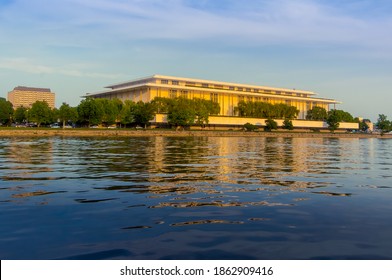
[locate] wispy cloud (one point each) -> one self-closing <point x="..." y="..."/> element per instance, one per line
<point x="256" y="22"/>
<point x="27" y="65"/>
<point x="233" y="22"/>
<point x="24" y="65"/>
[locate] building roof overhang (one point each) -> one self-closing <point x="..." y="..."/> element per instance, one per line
<point x="150" y="81"/>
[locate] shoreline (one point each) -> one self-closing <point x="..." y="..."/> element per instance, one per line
<point x="37" y="132"/>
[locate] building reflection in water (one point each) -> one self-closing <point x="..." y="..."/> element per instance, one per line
<point x="27" y="158"/>
<point x="210" y="169"/>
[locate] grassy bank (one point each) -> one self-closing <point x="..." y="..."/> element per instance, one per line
<point x="84" y="132"/>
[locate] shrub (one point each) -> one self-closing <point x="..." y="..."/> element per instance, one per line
<point x="250" y="127"/>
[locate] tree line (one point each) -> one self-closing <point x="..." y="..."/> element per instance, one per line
<point x="334" y="117"/>
<point x="180" y="112"/>
<point x="90" y="112"/>
<point x="266" y="110"/>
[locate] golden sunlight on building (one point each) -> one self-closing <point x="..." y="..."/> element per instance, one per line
<point x="227" y="94"/>
<point x="27" y="96"/>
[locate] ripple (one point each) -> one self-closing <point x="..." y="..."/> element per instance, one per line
<point x="217" y="204"/>
<point x="136" y="227"/>
<point x="334" y="193"/>
<point x="36" y="193"/>
<point x="203" y="222"/>
<point x="82" y="200"/>
<point x="258" y="219"/>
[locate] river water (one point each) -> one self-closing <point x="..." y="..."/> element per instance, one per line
<point x="195" y="198"/>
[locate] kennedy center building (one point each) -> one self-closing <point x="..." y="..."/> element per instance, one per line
<point x="227" y="94"/>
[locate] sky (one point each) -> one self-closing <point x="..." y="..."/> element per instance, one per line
<point x="339" y="49"/>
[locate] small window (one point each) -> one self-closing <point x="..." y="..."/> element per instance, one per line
<point x="231" y="88"/>
<point x="164" y="82"/>
<point x="175" y="83"/>
<point x="204" y="85"/>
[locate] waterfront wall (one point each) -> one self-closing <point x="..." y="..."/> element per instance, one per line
<point x="238" y="121"/>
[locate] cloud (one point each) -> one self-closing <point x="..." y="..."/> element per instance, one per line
<point x="24" y="65"/>
<point x="29" y="66"/>
<point x="116" y="23"/>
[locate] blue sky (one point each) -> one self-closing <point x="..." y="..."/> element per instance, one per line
<point x="339" y="49"/>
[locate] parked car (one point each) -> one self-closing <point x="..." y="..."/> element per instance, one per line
<point x="54" y="125"/>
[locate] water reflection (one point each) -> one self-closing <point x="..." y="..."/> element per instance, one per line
<point x="25" y="159"/>
<point x="98" y="195"/>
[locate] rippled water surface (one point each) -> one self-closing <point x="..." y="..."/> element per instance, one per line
<point x="195" y="198"/>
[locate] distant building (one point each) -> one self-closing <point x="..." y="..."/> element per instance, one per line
<point x="227" y="94"/>
<point x="27" y="96"/>
<point x="368" y="122"/>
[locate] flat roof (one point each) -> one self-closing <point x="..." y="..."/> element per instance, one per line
<point x="23" y="88"/>
<point x="202" y="81"/>
<point x="151" y="81"/>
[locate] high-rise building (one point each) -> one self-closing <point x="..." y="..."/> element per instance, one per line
<point x="27" y="96"/>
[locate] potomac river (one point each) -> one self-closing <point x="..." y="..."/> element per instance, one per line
<point x="198" y="197"/>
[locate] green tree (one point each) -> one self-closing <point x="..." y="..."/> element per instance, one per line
<point x="143" y="113"/>
<point x="20" y="114"/>
<point x="317" y="114"/>
<point x="90" y="111"/>
<point x="270" y="124"/>
<point x="162" y="104"/>
<point x="288" y="124"/>
<point x="384" y="124"/>
<point x="265" y="110"/>
<point x="55" y="115"/>
<point x="333" y="120"/>
<point x="343" y="116"/>
<point x="181" y="112"/>
<point x="67" y="113"/>
<point x="196" y="110"/>
<point x="118" y="105"/>
<point x="110" y="110"/>
<point x="126" y="114"/>
<point x="6" y="111"/>
<point x="40" y="113"/>
<point x="244" y="109"/>
<point x="203" y="109"/>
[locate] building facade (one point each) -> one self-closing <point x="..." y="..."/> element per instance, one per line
<point x="228" y="95"/>
<point x="27" y="96"/>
